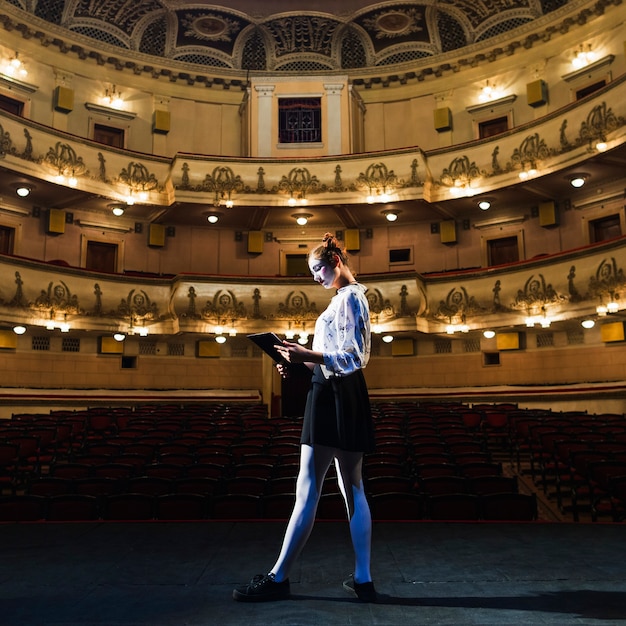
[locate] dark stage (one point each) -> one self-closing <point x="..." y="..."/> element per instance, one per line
<point x="174" y="574"/>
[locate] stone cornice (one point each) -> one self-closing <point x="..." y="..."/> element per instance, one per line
<point x="552" y="25"/>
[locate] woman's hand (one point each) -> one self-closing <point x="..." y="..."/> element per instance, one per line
<point x="293" y="352"/>
<point x="283" y="369"/>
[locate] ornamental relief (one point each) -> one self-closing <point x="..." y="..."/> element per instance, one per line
<point x="458" y="306"/>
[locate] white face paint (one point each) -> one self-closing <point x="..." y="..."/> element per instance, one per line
<point x="323" y="273"/>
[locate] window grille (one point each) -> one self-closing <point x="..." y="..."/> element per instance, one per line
<point x="176" y="349"/>
<point x="545" y="340"/>
<point x="575" y="336"/>
<point x="443" y="346"/>
<point x="471" y="345"/>
<point x="70" y="344"/>
<point x="41" y="343"/>
<point x="148" y="348"/>
<point x="299" y="120"/>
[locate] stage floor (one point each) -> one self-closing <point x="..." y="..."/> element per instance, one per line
<point x="175" y="574"/>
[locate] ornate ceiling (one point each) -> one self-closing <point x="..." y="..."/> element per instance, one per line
<point x="289" y="35"/>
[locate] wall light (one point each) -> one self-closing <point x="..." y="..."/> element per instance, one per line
<point x="302" y="218"/>
<point x="583" y="56"/>
<point x="14" y="67"/>
<point x="112" y="98"/>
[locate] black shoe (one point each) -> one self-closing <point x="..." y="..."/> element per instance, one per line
<point x="365" y="592"/>
<point x="262" y="588"/>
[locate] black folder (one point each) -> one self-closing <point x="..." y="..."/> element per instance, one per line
<point x="267" y="341"/>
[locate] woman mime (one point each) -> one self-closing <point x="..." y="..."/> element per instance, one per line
<point x="337" y="426"/>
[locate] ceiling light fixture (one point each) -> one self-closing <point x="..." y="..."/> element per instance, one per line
<point x="587" y="324"/>
<point x="578" y="180"/>
<point x="387" y="338"/>
<point x="391" y="215"/>
<point x="484" y="203"/>
<point x="213" y="218"/>
<point x="489" y="334"/>
<point x="302" y="218"/>
<point x="119" y="336"/>
<point x="19" y="329"/>
<point x="117" y="209"/>
<point x="23" y="191"/>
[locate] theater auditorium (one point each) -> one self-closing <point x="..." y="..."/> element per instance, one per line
<point x="165" y="168"/>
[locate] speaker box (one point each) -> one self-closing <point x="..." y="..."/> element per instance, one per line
<point x="208" y="349"/>
<point x="63" y="99"/>
<point x="156" y="235"/>
<point x="161" y="122"/>
<point x="108" y="345"/>
<point x="352" y="239"/>
<point x="55" y="222"/>
<point x="536" y="93"/>
<point x="548" y="215"/>
<point x="508" y="341"/>
<point x="255" y="242"/>
<point x="402" y="347"/>
<point x="442" y="119"/>
<point x="613" y="331"/>
<point x="447" y="231"/>
<point x="8" y="340"/>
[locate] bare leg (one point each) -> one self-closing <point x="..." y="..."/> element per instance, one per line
<point x="314" y="463"/>
<point x="349" y="472"/>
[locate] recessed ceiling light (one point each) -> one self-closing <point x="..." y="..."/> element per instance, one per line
<point x="391" y="215"/>
<point x="578" y="180"/>
<point x="302" y="218"/>
<point x="23" y="191"/>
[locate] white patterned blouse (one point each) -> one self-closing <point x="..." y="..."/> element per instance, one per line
<point x="342" y="332"/>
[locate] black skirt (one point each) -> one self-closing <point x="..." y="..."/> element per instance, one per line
<point x="338" y="413"/>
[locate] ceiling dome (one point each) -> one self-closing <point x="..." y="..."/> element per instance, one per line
<point x="287" y="35"/>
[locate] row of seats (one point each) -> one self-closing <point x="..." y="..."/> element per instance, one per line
<point x="575" y="458"/>
<point x="189" y="506"/>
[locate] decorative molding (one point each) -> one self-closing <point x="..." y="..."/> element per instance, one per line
<point x="103" y="226"/>
<point x="109" y="111"/>
<point x="483" y="106"/>
<point x="592" y="67"/>
<point x="500" y="221"/>
<point x="14" y="210"/>
<point x="18" y="85"/>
